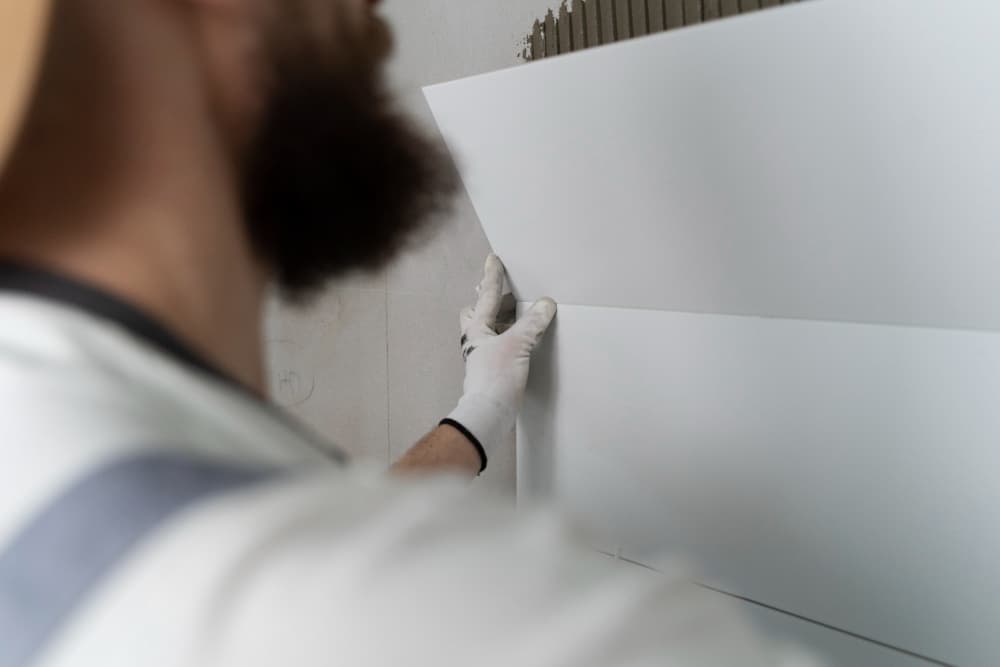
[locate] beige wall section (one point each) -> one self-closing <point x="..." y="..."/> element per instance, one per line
<point x="376" y="363"/>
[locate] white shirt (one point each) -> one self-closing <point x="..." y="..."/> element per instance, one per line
<point x="310" y="562"/>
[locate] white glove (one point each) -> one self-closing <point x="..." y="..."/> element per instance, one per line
<point x="496" y="366"/>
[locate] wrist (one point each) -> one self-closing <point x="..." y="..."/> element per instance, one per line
<point x="472" y="440"/>
<point x="486" y="421"/>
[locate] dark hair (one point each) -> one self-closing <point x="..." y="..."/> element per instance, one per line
<point x="336" y="178"/>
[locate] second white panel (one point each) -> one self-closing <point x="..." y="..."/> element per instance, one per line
<point x="847" y="473"/>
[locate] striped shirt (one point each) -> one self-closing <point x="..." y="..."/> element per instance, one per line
<point x="153" y="512"/>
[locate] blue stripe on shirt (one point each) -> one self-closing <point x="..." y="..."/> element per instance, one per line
<point x="64" y="553"/>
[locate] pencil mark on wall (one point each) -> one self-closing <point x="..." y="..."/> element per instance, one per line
<point x="294" y="382"/>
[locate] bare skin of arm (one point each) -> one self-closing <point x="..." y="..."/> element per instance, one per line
<point x="444" y="449"/>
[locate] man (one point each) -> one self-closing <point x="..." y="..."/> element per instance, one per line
<point x="163" y="162"/>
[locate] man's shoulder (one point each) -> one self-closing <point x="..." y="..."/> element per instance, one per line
<point x="78" y="395"/>
<point x="354" y="567"/>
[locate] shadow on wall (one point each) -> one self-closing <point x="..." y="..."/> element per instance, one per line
<point x="587" y="23"/>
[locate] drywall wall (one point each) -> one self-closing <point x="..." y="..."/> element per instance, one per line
<point x="815" y="187"/>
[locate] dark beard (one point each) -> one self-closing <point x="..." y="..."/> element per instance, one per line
<point x="336" y="179"/>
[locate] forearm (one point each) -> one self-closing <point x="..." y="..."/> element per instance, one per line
<point x="444" y="449"/>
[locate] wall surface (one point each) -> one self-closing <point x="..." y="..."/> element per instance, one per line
<point x="375" y="363"/>
<point x="777" y="323"/>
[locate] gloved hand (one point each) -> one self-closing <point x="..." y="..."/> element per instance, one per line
<point x="496" y="366"/>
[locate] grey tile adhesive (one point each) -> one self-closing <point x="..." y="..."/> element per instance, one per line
<point x="582" y="24"/>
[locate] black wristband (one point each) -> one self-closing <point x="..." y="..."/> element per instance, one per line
<point x="471" y="438"/>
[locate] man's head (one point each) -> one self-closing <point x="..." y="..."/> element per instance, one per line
<point x="334" y="178"/>
<point x="329" y="176"/>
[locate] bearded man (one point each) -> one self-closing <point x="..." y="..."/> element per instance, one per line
<point x="164" y="162"/>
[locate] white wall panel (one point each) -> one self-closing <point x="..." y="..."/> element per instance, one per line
<point x="836" y="649"/>
<point x="835" y="159"/>
<point x="848" y="473"/>
<point x="811" y="644"/>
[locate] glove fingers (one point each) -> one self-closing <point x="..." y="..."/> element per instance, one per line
<point x="490" y="292"/>
<point x="534" y="323"/>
